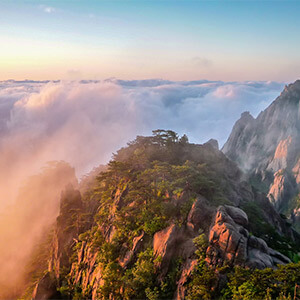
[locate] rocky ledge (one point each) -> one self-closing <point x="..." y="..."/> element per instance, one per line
<point x="230" y="242"/>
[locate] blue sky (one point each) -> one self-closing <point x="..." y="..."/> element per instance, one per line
<point x="178" y="40"/>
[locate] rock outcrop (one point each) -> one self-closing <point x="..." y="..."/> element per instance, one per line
<point x="200" y="215"/>
<point x="267" y="148"/>
<point x="46" y="288"/>
<point x="231" y="243"/>
<point x="238" y="137"/>
<point x="88" y="276"/>
<point x="172" y="242"/>
<point x="187" y="270"/>
<point x="130" y="254"/>
<point x="69" y="225"/>
<point x="146" y="215"/>
<point x="214" y="143"/>
<point x="67" y="230"/>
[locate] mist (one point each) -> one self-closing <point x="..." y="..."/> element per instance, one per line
<point x="83" y="123"/>
<point x="27" y="222"/>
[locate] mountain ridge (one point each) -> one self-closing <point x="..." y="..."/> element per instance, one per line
<point x="169" y="217"/>
<point x="267" y="148"/>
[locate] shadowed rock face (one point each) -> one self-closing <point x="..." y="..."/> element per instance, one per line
<point x="200" y="215"/>
<point x="231" y="243"/>
<point x="46" y="289"/>
<point x="129" y="255"/>
<point x="214" y="143"/>
<point x="267" y="148"/>
<point x="66" y="231"/>
<point x="65" y="236"/>
<point x="238" y="137"/>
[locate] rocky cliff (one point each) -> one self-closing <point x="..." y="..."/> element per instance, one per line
<point x="231" y="242"/>
<point x="69" y="225"/>
<point x="162" y="215"/>
<point x="268" y="149"/>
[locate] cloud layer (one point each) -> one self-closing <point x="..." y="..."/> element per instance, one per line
<point x="83" y="122"/>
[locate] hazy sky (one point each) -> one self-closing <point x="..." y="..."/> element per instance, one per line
<point x="177" y="40"/>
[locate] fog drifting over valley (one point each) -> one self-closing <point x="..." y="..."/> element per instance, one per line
<point x="83" y="122"/>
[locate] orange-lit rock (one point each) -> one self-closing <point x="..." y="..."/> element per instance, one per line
<point x="296" y="172"/>
<point x="277" y="188"/>
<point x="186" y="273"/>
<point x="282" y="148"/>
<point x="229" y="242"/>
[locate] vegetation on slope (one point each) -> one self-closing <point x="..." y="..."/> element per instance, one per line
<point x="242" y="283"/>
<point x="148" y="186"/>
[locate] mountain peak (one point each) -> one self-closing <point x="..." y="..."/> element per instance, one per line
<point x="246" y="116"/>
<point x="292" y="89"/>
<point x="237" y="137"/>
<point x="214" y="143"/>
<point x="268" y="149"/>
<point x="295" y="84"/>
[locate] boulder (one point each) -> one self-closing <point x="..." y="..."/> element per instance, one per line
<point x="200" y="215"/>
<point x="238" y="215"/>
<point x="46" y="288"/>
<point x="230" y="242"/>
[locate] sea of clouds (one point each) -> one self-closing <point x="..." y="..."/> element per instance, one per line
<point x="83" y="122"/>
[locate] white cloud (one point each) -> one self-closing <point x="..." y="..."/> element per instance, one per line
<point x="48" y="9"/>
<point x="201" y="62"/>
<point x="83" y="122"/>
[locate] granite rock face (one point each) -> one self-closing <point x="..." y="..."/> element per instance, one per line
<point x="46" y="288"/>
<point x="214" y="143"/>
<point x="90" y="277"/>
<point x="66" y="233"/>
<point x="65" y="237"/>
<point x="188" y="268"/>
<point x="230" y="242"/>
<point x="171" y="242"/>
<point x="200" y="215"/>
<point x="192" y="211"/>
<point x="267" y="149"/>
<point x="130" y="254"/>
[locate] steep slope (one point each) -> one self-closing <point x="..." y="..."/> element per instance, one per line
<point x="164" y="214"/>
<point x="268" y="149"/>
<point x="25" y="226"/>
